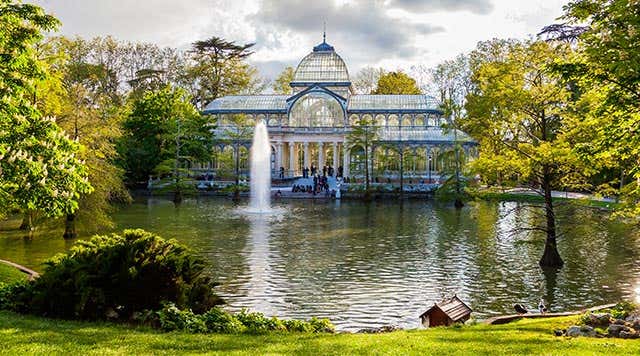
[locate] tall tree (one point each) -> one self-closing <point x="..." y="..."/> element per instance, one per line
<point x="366" y="80"/>
<point x="162" y="130"/>
<point x="519" y="102"/>
<point x="452" y="81"/>
<point x="73" y="94"/>
<point x="396" y="83"/>
<point x="281" y="83"/>
<point x="40" y="170"/>
<point x="607" y="72"/>
<point x="218" y="69"/>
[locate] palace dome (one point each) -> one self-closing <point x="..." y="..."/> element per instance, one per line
<point x="323" y="65"/>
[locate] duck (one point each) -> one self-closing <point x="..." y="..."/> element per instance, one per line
<point x="520" y="309"/>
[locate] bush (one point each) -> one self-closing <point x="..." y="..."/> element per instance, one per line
<point x="219" y="321"/>
<point x="116" y="276"/>
<point x="216" y="320"/>
<point x="171" y="318"/>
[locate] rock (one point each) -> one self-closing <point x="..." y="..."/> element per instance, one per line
<point x="559" y="332"/>
<point x="619" y="322"/>
<point x="584" y="330"/>
<point x="615" y="329"/>
<point x="629" y="334"/>
<point x="598" y="319"/>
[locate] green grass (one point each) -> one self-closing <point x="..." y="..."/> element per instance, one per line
<point x="10" y="274"/>
<point x="32" y="335"/>
<point x="534" y="198"/>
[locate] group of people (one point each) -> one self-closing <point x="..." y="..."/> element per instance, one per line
<point x="326" y="171"/>
<point x="320" y="184"/>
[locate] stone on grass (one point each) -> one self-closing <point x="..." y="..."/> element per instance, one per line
<point x="628" y="334"/>
<point x="615" y="329"/>
<point x="583" y="330"/>
<point x="598" y="319"/>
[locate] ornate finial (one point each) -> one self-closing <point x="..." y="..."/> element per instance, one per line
<point x="324" y="32"/>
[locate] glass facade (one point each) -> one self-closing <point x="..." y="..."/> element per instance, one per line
<point x="321" y="67"/>
<point x="316" y="109"/>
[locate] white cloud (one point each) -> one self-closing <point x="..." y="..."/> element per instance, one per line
<point x="390" y="33"/>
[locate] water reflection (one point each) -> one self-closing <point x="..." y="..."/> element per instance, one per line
<point x="383" y="263"/>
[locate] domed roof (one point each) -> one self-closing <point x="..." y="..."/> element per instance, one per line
<point x="321" y="65"/>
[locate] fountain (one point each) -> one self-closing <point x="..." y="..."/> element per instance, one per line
<point x="260" y="201"/>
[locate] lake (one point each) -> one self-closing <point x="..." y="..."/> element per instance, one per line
<point x="365" y="265"/>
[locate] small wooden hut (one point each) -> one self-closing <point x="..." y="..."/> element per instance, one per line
<point x="445" y="313"/>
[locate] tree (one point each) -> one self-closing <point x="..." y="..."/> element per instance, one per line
<point x="396" y="83"/>
<point x="281" y="84"/>
<point x="72" y="94"/>
<point x="366" y="79"/>
<point x="606" y="70"/>
<point x="40" y="169"/>
<point x="519" y="102"/>
<point x="452" y="80"/>
<point x="363" y="134"/>
<point x="218" y="69"/>
<point x="161" y="125"/>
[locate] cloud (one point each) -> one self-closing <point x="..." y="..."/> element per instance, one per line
<point x="361" y="31"/>
<point x="481" y="7"/>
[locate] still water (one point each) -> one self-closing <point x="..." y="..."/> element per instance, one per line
<point x="364" y="265"/>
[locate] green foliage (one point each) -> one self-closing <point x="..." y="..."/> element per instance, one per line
<point x="10" y="296"/>
<point x="172" y="318"/>
<point x="363" y="134"/>
<point x="219" y="321"/>
<point x="9" y="274"/>
<point x="161" y="126"/>
<point x="122" y="273"/>
<point x="396" y="83"/>
<point x="216" y="320"/>
<point x="39" y="164"/>
<point x="606" y="73"/>
<point x="281" y="83"/>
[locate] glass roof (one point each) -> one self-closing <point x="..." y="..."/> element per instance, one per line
<point x="321" y="67"/>
<point x="248" y="103"/>
<point x="433" y="134"/>
<point x="392" y="102"/>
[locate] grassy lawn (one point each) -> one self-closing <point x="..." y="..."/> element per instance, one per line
<point x="10" y="274"/>
<point x="32" y="335"/>
<point x="534" y="198"/>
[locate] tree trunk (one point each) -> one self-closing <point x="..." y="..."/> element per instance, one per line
<point x="70" y="227"/>
<point x="27" y="221"/>
<point x="550" y="257"/>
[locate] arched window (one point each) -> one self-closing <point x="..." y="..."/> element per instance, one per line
<point x="317" y="109"/>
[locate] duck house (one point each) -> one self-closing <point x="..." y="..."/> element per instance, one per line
<point x="445" y="313"/>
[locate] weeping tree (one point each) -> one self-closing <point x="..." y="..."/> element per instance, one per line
<point x="519" y="102"/>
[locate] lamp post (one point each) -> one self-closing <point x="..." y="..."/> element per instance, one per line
<point x="429" y="168"/>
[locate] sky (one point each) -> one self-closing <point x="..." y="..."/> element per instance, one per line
<point x="393" y="34"/>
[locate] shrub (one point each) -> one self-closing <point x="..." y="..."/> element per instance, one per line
<point x="258" y="323"/>
<point x="116" y="276"/>
<point x="219" y="321"/>
<point x="172" y="318"/>
<point x="9" y="293"/>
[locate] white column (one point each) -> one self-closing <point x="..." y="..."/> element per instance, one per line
<point x="292" y="158"/>
<point x="306" y="154"/>
<point x="320" y="156"/>
<point x="335" y="157"/>
<point x="345" y="160"/>
<point x="278" y="157"/>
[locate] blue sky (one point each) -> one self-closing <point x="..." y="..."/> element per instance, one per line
<point x="394" y="34"/>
